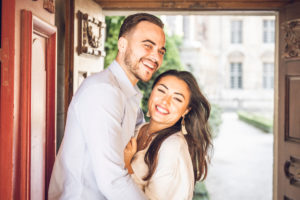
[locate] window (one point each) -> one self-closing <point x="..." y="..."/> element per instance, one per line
<point x="268" y="75"/>
<point x="236" y="31"/>
<point x="236" y="75"/>
<point x="268" y="31"/>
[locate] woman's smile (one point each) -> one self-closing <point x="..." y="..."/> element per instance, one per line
<point x="162" y="110"/>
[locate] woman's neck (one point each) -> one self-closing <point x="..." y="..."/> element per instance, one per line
<point x="154" y="127"/>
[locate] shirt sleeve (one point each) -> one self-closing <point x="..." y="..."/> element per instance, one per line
<point x="170" y="179"/>
<point x="100" y="111"/>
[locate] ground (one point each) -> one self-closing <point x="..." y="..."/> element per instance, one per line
<point x="242" y="163"/>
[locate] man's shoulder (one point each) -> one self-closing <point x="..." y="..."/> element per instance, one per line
<point x="103" y="77"/>
<point x="102" y="86"/>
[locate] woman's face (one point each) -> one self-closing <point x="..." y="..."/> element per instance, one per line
<point x="168" y="101"/>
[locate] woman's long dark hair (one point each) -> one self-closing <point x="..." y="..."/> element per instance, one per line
<point x="196" y="123"/>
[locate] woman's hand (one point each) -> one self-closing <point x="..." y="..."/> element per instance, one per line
<point x="129" y="152"/>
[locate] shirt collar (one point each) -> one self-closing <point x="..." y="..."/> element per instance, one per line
<point x="124" y="82"/>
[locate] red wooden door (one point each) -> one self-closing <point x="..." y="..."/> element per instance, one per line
<point x="7" y="118"/>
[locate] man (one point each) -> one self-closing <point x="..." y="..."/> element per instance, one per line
<point x="102" y="117"/>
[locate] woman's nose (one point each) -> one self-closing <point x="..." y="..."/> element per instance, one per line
<point x="166" y="100"/>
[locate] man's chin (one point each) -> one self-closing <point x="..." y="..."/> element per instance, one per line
<point x="145" y="78"/>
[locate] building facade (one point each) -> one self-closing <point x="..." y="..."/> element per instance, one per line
<point x="231" y="56"/>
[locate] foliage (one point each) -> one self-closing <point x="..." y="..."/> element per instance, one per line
<point x="257" y="120"/>
<point x="200" y="192"/>
<point x="113" y="24"/>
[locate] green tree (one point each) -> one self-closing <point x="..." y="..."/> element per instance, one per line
<point x="113" y="25"/>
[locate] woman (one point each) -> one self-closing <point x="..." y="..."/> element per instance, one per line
<point x="170" y="153"/>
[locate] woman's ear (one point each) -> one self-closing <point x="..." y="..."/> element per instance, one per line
<point x="122" y="44"/>
<point x="186" y="111"/>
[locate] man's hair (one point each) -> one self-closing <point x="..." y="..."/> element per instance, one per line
<point x="132" y="20"/>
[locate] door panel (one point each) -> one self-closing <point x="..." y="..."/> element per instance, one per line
<point x="293" y="109"/>
<point x="38" y="118"/>
<point x="288" y="160"/>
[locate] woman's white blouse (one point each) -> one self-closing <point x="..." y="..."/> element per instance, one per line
<point x="173" y="178"/>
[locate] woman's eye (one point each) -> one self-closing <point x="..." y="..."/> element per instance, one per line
<point x="160" y="90"/>
<point x="177" y="99"/>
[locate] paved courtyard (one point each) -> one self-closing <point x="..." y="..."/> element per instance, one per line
<point x="242" y="164"/>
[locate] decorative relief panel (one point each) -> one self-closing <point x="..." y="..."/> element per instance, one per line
<point x="292" y="171"/>
<point x="292" y="39"/>
<point x="49" y="5"/>
<point x="292" y="119"/>
<point x="89" y="34"/>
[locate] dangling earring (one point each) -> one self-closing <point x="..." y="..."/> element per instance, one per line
<point x="148" y="114"/>
<point x="183" y="129"/>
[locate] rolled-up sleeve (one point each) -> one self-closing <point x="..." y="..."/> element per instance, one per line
<point x="99" y="110"/>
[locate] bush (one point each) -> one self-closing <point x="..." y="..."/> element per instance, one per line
<point x="200" y="191"/>
<point x="215" y="119"/>
<point x="256" y="120"/>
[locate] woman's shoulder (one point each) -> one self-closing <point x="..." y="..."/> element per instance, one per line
<point x="174" y="142"/>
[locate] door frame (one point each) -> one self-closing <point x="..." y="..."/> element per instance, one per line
<point x="30" y="24"/>
<point x="7" y="58"/>
<point x="276" y="69"/>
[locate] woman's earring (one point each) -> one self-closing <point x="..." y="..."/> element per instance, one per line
<point x="148" y="114"/>
<point x="183" y="129"/>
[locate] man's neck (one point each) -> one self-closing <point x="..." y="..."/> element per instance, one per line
<point x="129" y="75"/>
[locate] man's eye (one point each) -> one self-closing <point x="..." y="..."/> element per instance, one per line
<point x="160" y="90"/>
<point x="148" y="46"/>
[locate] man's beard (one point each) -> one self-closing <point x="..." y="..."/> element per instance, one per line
<point x="134" y="67"/>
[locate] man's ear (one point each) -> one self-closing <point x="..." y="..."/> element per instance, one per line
<point x="122" y="44"/>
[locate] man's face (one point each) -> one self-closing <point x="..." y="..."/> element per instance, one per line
<point x="145" y="51"/>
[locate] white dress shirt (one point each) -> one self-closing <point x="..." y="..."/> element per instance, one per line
<point x="173" y="178"/>
<point x="101" y="120"/>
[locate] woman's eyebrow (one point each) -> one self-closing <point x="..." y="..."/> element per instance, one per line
<point x="163" y="86"/>
<point x="179" y="94"/>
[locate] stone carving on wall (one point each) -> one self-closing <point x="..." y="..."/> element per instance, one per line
<point x="89" y="34"/>
<point x="292" y="39"/>
<point x="49" y="5"/>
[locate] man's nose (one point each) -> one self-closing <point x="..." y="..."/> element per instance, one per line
<point x="154" y="56"/>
